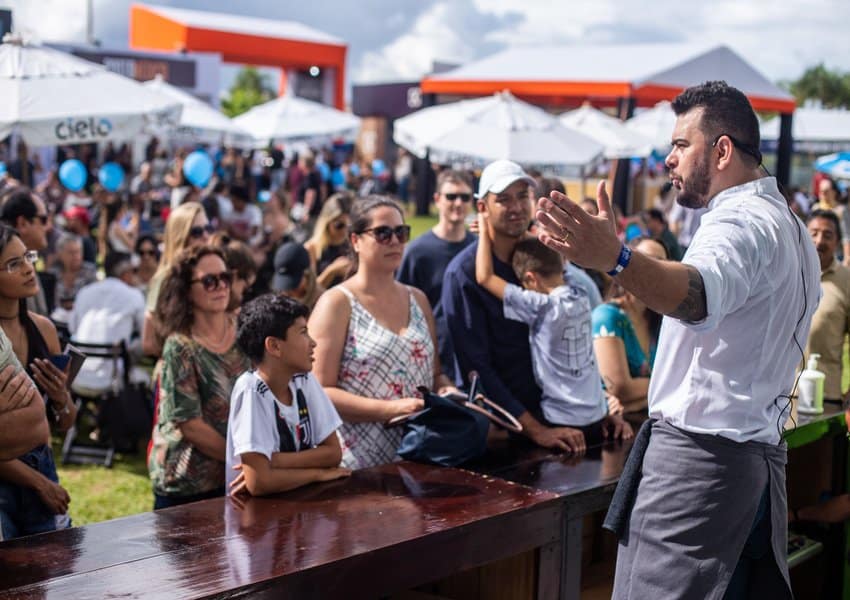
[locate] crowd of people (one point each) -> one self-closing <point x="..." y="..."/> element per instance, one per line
<point x="281" y="316"/>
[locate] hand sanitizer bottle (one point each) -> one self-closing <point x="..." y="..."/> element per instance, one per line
<point x="810" y="388"/>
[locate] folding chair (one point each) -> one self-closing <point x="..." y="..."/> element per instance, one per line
<point x="90" y="405"/>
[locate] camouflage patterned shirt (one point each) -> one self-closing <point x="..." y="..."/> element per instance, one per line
<point x="194" y="383"/>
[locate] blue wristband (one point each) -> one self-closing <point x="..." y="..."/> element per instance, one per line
<point x="622" y="261"/>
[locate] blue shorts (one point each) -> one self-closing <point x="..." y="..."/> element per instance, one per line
<point x="21" y="510"/>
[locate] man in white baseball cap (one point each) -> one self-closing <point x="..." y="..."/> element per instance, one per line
<point x="498" y="175"/>
<point x="484" y="340"/>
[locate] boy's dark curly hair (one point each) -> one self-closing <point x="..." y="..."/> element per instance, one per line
<point x="269" y="315"/>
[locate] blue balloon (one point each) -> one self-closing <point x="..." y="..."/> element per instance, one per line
<point x="198" y="168"/>
<point x="111" y="176"/>
<point x="378" y="167"/>
<point x="633" y="231"/>
<point x="72" y="174"/>
<point x="355" y="169"/>
<point x="338" y="178"/>
<point x="324" y="171"/>
<point x="3" y="169"/>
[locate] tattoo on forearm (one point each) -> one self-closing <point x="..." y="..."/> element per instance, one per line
<point x="693" y="307"/>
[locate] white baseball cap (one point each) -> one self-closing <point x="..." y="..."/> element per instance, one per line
<point x="500" y="174"/>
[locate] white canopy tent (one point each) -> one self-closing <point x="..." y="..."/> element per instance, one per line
<point x="499" y="126"/>
<point x="291" y="119"/>
<point x="656" y="124"/>
<point x="619" y="140"/>
<point x="199" y="121"/>
<point x="814" y="129"/>
<point x="51" y="98"/>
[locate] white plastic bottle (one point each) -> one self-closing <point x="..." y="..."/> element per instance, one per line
<point x="810" y="388"/>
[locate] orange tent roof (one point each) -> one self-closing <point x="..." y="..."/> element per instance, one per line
<point x="648" y="73"/>
<point x="238" y="39"/>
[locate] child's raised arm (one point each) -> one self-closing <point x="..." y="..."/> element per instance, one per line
<point x="484" y="274"/>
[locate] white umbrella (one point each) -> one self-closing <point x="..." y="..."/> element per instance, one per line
<point x="53" y="98"/>
<point x="619" y="140"/>
<point x="199" y="121"/>
<point x="291" y="119"/>
<point x="492" y="128"/>
<point x="656" y="124"/>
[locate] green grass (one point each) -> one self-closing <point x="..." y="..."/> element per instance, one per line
<point x="99" y="494"/>
<point x="419" y="225"/>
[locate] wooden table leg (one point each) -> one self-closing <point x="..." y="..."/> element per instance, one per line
<point x="571" y="579"/>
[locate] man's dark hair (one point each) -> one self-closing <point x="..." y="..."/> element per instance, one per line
<point x="16" y="203"/>
<point x="530" y="254"/>
<point x="116" y="263"/>
<point x="830" y="216"/>
<point x="655" y="214"/>
<point x="726" y="111"/>
<point x="239" y="191"/>
<point x="269" y="315"/>
<point x="548" y="185"/>
<point x="453" y="176"/>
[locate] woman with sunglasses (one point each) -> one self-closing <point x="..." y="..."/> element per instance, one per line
<point x="375" y="338"/>
<point x="200" y="364"/>
<point x="328" y="246"/>
<point x="31" y="499"/>
<point x="148" y="253"/>
<point x="187" y="227"/>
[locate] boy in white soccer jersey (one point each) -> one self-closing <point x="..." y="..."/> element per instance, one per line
<point x="281" y="432"/>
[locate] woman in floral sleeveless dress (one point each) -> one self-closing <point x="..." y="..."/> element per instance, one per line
<point x="375" y="339"/>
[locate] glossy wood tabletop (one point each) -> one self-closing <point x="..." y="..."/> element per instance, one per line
<point x="381" y="530"/>
<point x="563" y="474"/>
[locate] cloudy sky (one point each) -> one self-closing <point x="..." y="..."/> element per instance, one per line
<point x="398" y="39"/>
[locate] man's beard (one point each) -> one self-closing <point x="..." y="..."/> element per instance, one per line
<point x="694" y="192"/>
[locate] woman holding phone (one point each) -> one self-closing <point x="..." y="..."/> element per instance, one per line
<point x="31" y="499"/>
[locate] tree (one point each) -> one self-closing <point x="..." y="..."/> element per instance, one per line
<point x="248" y="90"/>
<point x="832" y="88"/>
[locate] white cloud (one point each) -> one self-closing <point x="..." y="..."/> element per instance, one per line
<point x="779" y="37"/>
<point x="434" y="36"/>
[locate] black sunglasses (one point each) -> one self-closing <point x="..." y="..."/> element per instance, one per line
<point x="384" y="233"/>
<point x="198" y="231"/>
<point x="211" y="282"/>
<point x="462" y="197"/>
<point x="147" y="252"/>
<point x="339" y="225"/>
<point x="42" y="218"/>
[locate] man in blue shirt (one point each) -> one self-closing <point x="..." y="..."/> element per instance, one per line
<point x="484" y="340"/>
<point x="426" y="257"/>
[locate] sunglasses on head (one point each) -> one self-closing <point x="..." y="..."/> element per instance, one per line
<point x="211" y="282"/>
<point x="198" y="231"/>
<point x="463" y="197"/>
<point x="383" y="234"/>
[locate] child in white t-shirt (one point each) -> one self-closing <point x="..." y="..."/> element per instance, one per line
<point x="281" y="432"/>
<point x="559" y="334"/>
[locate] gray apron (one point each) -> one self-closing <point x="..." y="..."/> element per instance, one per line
<point x="696" y="502"/>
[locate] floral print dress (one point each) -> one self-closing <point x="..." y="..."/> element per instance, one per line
<point x="378" y="363"/>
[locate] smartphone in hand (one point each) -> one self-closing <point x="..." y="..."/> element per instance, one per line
<point x="60" y="360"/>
